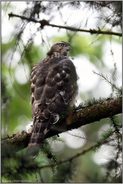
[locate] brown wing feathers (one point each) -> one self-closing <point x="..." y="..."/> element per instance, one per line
<point x="53" y="86"/>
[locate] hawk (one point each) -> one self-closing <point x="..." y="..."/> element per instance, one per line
<point x="53" y="88"/>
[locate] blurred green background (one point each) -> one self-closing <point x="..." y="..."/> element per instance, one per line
<point x="25" y="44"/>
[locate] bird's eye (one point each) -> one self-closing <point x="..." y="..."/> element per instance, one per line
<point x="62" y="44"/>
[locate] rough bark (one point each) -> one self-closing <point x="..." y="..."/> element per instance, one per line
<point x="76" y="118"/>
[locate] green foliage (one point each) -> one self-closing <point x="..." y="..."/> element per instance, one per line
<point x="88" y="172"/>
<point x="64" y="173"/>
<point x="7" y="46"/>
<point x="18" y="167"/>
<point x="32" y="54"/>
<point x="21" y="166"/>
<point x="18" y="94"/>
<point x="83" y="45"/>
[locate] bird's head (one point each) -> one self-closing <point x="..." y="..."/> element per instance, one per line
<point x="59" y="49"/>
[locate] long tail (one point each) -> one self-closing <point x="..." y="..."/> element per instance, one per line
<point x="40" y="128"/>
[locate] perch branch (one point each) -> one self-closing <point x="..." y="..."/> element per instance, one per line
<point x="79" y="117"/>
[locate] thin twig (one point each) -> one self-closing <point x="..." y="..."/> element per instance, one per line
<point x="93" y="147"/>
<point x="46" y="23"/>
<point x="107" y="80"/>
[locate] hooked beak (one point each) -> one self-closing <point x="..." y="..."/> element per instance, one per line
<point x="68" y="48"/>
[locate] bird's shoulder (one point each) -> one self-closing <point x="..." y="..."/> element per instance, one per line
<point x="50" y="67"/>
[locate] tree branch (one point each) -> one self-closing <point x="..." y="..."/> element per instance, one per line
<point x="76" y="118"/>
<point x="83" y="152"/>
<point x="46" y="23"/>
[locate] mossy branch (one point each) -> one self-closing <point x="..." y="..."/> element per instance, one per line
<point x="78" y="117"/>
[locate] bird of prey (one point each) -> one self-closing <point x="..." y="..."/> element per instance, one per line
<point x="53" y="88"/>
